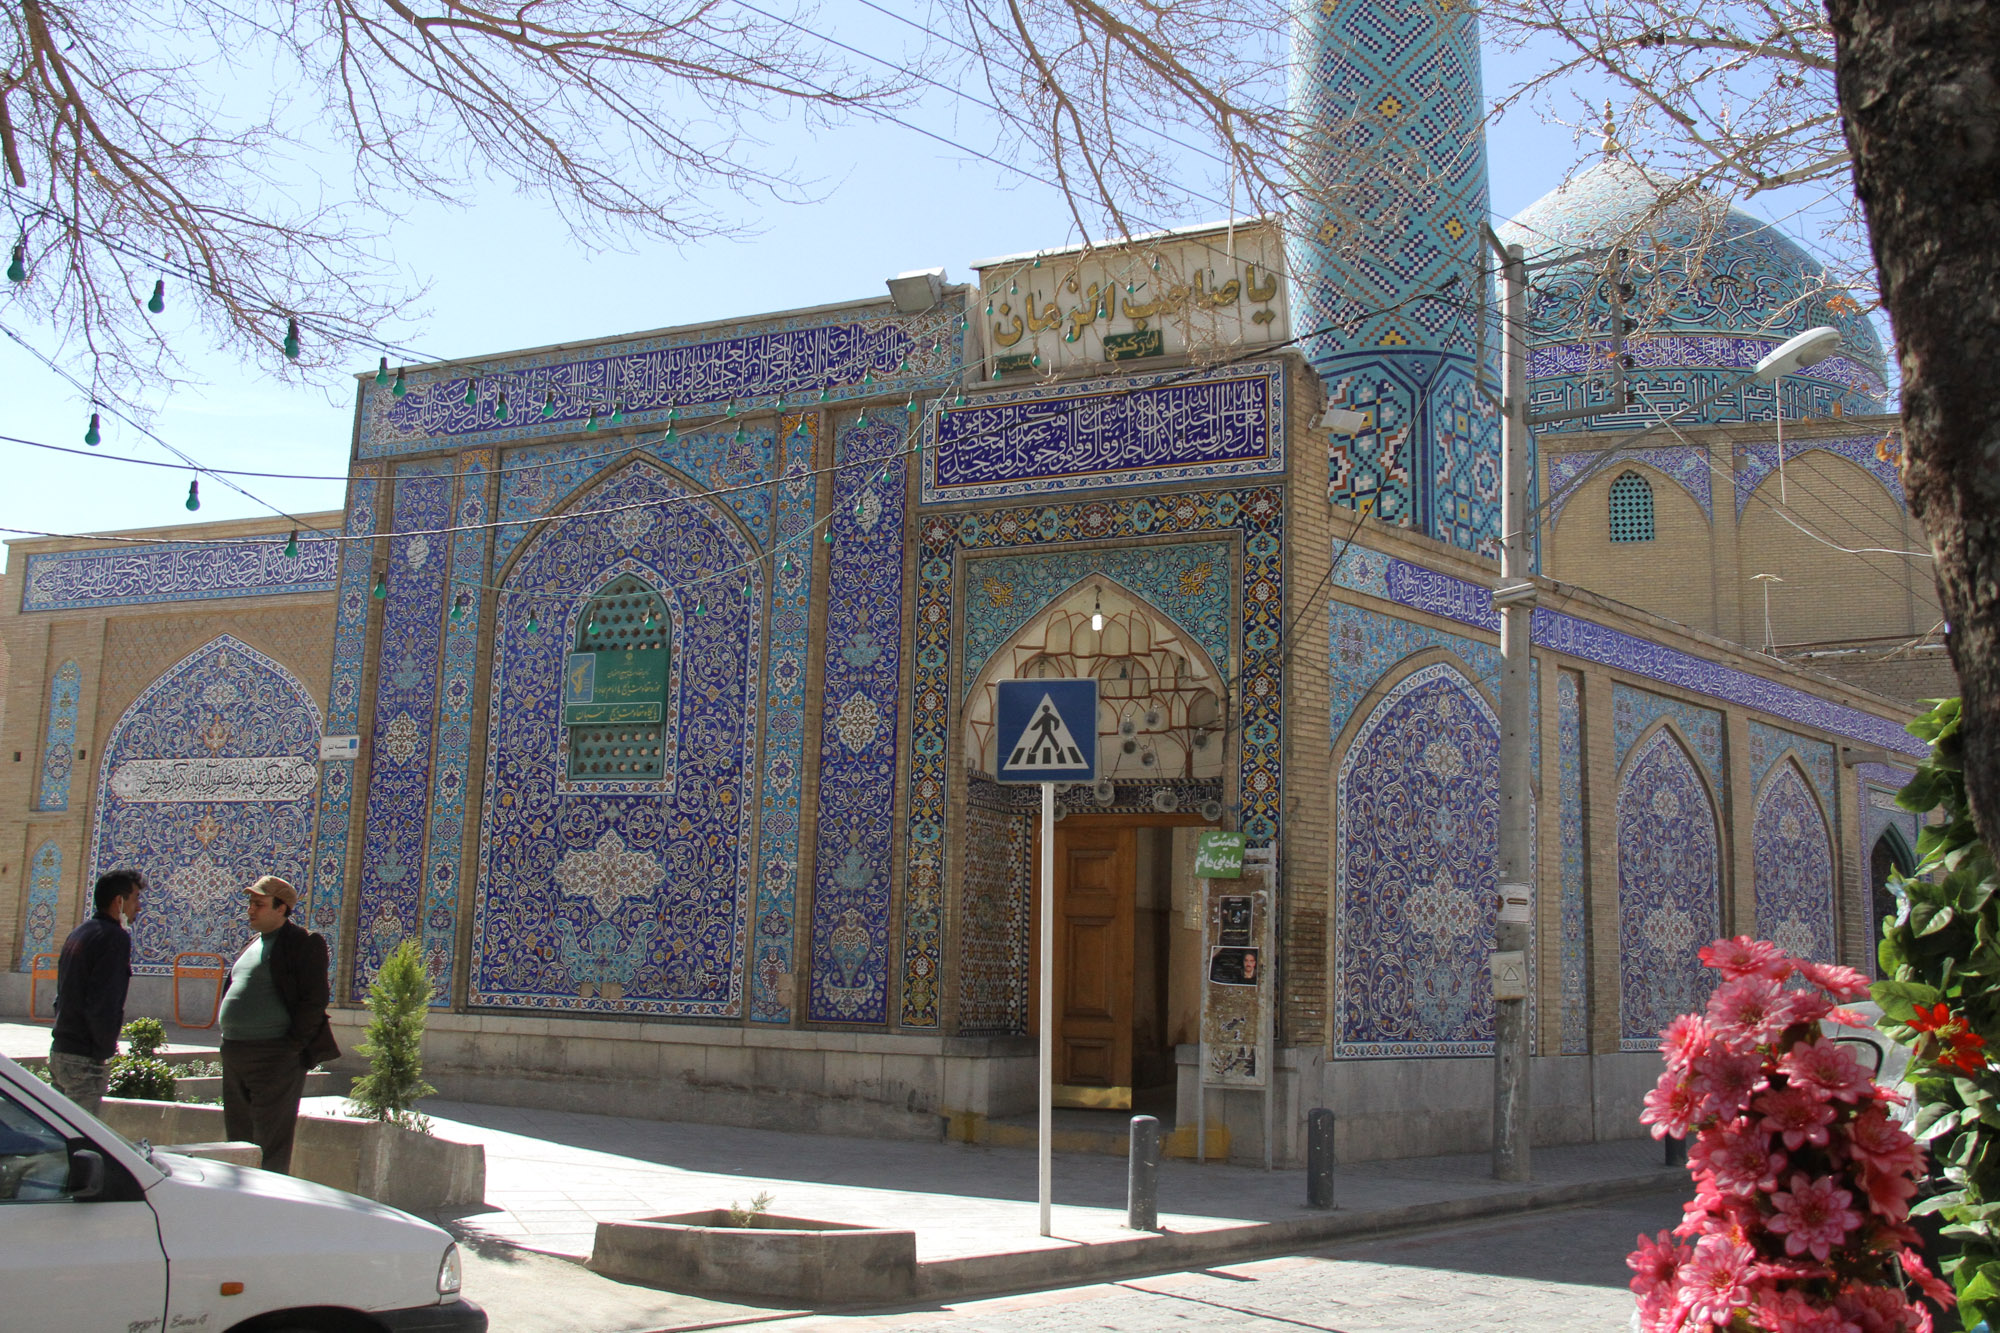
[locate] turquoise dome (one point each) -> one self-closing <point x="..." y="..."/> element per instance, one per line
<point x="1711" y="290"/>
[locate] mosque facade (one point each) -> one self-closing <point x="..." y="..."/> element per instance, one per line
<point x="648" y="684"/>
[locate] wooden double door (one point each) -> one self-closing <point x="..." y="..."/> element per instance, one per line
<point x="1096" y="869"/>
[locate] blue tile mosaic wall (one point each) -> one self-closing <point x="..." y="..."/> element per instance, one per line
<point x="622" y="897"/>
<point x="1881" y="458"/>
<point x="466" y="593"/>
<point x="1364" y="645"/>
<point x="1188" y="584"/>
<point x="59" y="741"/>
<point x="1878" y="785"/>
<point x="1632" y="711"/>
<point x="134" y="575"/>
<point x="1458" y="599"/>
<point x="853" y="860"/>
<point x="534" y="481"/>
<point x="1416" y="859"/>
<point x="1769" y="744"/>
<point x="773" y="972"/>
<point x="1686" y="465"/>
<point x="1794" y="865"/>
<point x="38" y="925"/>
<point x="1575" y="879"/>
<point x="321" y="903"/>
<point x="1669" y="888"/>
<point x="206" y="783"/>
<point x="859" y="352"/>
<point x="1140" y="430"/>
<point x="1390" y="323"/>
<point x="391" y="891"/>
<point x="1257" y="680"/>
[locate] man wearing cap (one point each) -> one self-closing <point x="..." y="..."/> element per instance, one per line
<point x="274" y="1026"/>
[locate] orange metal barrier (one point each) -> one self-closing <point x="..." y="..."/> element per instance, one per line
<point x="42" y="968"/>
<point x="214" y="968"/>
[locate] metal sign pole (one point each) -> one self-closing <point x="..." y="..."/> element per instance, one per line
<point x="1046" y="1058"/>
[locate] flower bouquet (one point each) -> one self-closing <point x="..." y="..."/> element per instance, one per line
<point x="1803" y="1180"/>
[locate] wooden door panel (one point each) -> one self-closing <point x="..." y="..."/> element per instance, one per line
<point x="1095" y="889"/>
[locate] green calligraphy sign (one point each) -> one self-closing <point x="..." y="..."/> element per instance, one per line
<point x="1219" y="856"/>
<point x="627" y="685"/>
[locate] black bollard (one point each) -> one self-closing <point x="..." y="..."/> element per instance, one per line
<point x="1677" y="1150"/>
<point x="1142" y="1175"/>
<point x="1319" y="1158"/>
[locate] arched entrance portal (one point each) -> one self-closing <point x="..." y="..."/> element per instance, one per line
<point x="1128" y="932"/>
<point x="1886" y="860"/>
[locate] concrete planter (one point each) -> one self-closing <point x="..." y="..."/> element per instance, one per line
<point x="774" y="1260"/>
<point x="393" y="1165"/>
<point x="319" y="1083"/>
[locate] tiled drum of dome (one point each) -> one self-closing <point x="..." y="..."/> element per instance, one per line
<point x="207" y="782"/>
<point x="59" y="745"/>
<point x="629" y="899"/>
<point x="390" y="896"/>
<point x="1415" y="862"/>
<point x="1391" y="327"/>
<point x="38" y="924"/>
<point x="1669" y="888"/>
<point x="1794" y="867"/>
<point x="860" y="689"/>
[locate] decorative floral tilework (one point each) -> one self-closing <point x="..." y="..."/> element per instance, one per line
<point x="1575" y="878"/>
<point x="320" y="906"/>
<point x="621" y="901"/>
<point x="454" y="722"/>
<point x="1685" y="464"/>
<point x="1257" y="684"/>
<point x="1632" y="711"/>
<point x="773" y="971"/>
<point x="38" y="926"/>
<point x="861" y="679"/>
<point x="1794" y="860"/>
<point x="1871" y="453"/>
<point x="995" y="924"/>
<point x="1669" y="888"/>
<point x="1417" y="864"/>
<point x="59" y="743"/>
<point x="200" y="844"/>
<point x="394" y="855"/>
<point x="1768" y="744"/>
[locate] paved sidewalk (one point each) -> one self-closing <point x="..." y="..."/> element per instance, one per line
<point x="21" y="1040"/>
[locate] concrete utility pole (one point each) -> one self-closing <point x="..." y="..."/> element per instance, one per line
<point x="1515" y="599"/>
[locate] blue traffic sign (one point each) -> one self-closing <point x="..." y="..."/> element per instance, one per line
<point x="1048" y="730"/>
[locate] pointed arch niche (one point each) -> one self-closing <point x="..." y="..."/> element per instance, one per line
<point x="1669" y="885"/>
<point x="1794" y="865"/>
<point x="1160" y="711"/>
<point x="207" y="782"/>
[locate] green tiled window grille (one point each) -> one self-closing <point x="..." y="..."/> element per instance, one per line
<point x="1631" y="508"/>
<point x="620" y="752"/>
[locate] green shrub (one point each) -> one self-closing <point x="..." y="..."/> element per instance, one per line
<point x="394" y="1044"/>
<point x="144" y="1037"/>
<point x="141" y="1076"/>
<point x="1942" y="952"/>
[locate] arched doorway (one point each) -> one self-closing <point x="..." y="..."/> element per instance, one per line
<point x="1127" y="940"/>
<point x="1889" y="858"/>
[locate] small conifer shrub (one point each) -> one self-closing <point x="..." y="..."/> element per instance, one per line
<point x="394" y="1043"/>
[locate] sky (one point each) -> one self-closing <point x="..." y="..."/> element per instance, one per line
<point x="506" y="274"/>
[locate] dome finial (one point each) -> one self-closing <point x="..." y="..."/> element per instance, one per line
<point x="1611" y="145"/>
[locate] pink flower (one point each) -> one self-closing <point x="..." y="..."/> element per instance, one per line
<point x="1738" y="1157"/>
<point x="1670" y="1107"/>
<point x="1880" y="1310"/>
<point x="1844" y="982"/>
<point x="1882" y="1145"/>
<point x="1655" y="1263"/>
<point x="1826" y="1067"/>
<point x="1716" y="1282"/>
<point x="1684" y="1039"/>
<point x="1934" y="1286"/>
<point x="1752" y="1008"/>
<point x="1795" y="1312"/>
<point x="1744" y="957"/>
<point x="1813" y="1215"/>
<point x="1725" y="1081"/>
<point x="1799" y="1114"/>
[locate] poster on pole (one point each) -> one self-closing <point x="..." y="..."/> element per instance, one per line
<point x="1047" y="730"/>
<point x="1237" y="993"/>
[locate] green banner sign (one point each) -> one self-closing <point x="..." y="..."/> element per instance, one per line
<point x="629" y="685"/>
<point x="1219" y="856"/>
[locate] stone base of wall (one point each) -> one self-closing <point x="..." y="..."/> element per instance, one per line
<point x="148" y="997"/>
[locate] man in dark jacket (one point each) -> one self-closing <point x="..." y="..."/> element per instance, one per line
<point x="91" y="979"/>
<point x="274" y="1025"/>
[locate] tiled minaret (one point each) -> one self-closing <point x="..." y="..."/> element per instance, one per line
<point x="1386" y="261"/>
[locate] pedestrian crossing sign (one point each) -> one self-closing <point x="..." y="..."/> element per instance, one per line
<point x="1047" y="730"/>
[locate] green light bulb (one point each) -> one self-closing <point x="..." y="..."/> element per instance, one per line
<point x="458" y="612"/>
<point x="291" y="340"/>
<point x="1013" y="289"/>
<point x="739" y="437"/>
<point x="862" y="420"/>
<point x="618" y="412"/>
<point x="960" y="400"/>
<point x="649" y="620"/>
<point x="398" y="389"/>
<point x="382" y="373"/>
<point x="471" y="392"/>
<point x="996" y="372"/>
<point x="1070" y="337"/>
<point x="868" y="376"/>
<point x="825" y="393"/>
<point x="93" y="436"/>
<point x="591" y="628"/>
<point x="731" y="410"/>
<point x="800" y="429"/>
<point x="534" y="626"/>
<point x="674" y="412"/>
<point x="671" y="435"/>
<point x="590" y="422"/>
<point x="746" y="587"/>
<point x="911" y="406"/>
<point x="18" y="270"/>
<point x="549" y="405"/>
<point x="701" y="606"/>
<point x="292" y="545"/>
<point x="159" y="301"/>
<point x="827" y="536"/>
<point x="194" y="496"/>
<point x="381" y="588"/>
<point x="500" y="406"/>
<point x="989" y="307"/>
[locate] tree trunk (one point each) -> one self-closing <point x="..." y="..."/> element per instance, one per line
<point x="1919" y="84"/>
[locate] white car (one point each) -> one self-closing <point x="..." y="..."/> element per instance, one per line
<point x="98" y="1234"/>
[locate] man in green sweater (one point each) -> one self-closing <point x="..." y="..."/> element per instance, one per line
<point x="274" y="1025"/>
